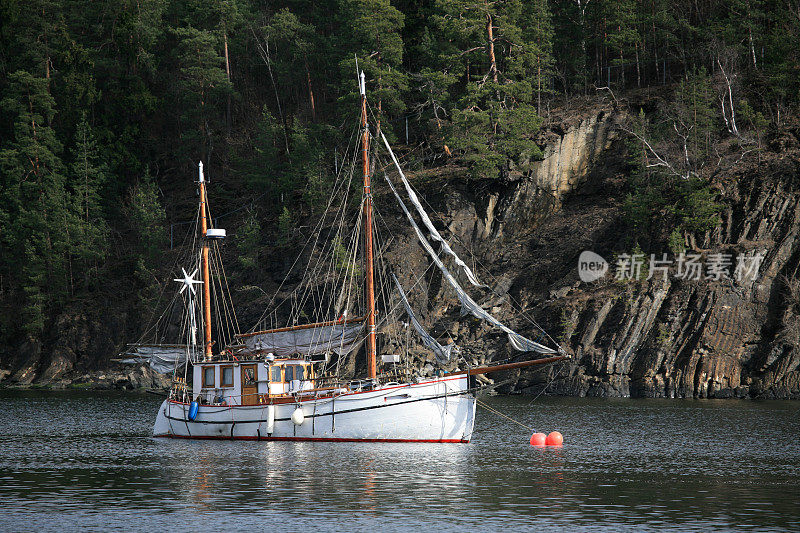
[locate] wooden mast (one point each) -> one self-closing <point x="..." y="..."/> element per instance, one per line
<point x="206" y="275"/>
<point x="371" y="348"/>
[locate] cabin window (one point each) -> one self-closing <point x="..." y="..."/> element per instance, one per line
<point x="288" y="373"/>
<point x="226" y="377"/>
<point x="208" y="377"/>
<point x="276" y="373"/>
<point x="298" y="372"/>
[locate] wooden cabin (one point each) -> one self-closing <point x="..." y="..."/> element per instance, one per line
<point x="250" y="382"/>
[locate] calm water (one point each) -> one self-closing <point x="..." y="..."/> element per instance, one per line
<point x="86" y="461"/>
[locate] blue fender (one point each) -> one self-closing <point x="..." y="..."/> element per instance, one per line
<point x="193" y="408"/>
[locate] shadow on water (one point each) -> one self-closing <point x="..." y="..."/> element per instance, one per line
<point x="86" y="459"/>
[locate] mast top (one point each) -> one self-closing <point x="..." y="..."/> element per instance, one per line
<point x="202" y="178"/>
<point x="362" y="86"/>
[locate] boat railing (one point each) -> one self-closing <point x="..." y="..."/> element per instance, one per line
<point x="265" y="398"/>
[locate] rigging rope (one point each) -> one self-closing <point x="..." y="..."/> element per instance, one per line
<point x="498" y="413"/>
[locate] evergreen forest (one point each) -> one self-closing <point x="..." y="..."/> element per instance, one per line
<point x="107" y="106"/>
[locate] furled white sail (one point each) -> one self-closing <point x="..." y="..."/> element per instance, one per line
<point x="339" y="338"/>
<point x="434" y="233"/>
<point x="468" y="305"/>
<point x="161" y="357"/>
<point x="442" y="353"/>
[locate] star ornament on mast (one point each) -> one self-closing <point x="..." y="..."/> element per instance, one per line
<point x="188" y="281"/>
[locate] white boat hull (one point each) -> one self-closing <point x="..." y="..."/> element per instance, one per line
<point x="439" y="410"/>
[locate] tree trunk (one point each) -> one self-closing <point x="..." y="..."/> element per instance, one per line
<point x="582" y="10"/>
<point x="490" y="34"/>
<point x="311" y="94"/>
<point x="655" y="40"/>
<point x="380" y="99"/>
<point x="538" y="85"/>
<point x="228" y="74"/>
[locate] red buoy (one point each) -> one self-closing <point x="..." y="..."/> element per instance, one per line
<point x="538" y="439"/>
<point x="554" y="439"/>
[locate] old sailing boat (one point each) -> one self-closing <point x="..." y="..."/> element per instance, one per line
<point x="283" y="383"/>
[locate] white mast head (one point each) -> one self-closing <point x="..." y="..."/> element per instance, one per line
<point x="202" y="178"/>
<point x="362" y="86"/>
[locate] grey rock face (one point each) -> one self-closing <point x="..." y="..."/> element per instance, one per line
<point x="657" y="338"/>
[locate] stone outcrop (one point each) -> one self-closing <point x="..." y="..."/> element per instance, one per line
<point x="650" y="338"/>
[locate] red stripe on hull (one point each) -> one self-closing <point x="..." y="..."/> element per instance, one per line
<point x="317" y="439"/>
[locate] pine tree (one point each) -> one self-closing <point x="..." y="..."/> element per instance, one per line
<point x="248" y="238"/>
<point x="292" y="47"/>
<point x="88" y="176"/>
<point x="202" y="87"/>
<point x="371" y="30"/>
<point x="493" y="122"/>
<point x="622" y="35"/>
<point x="146" y="218"/>
<point x="536" y="40"/>
<point x="33" y="198"/>
<point x="693" y="113"/>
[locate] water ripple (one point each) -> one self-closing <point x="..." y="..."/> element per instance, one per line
<point x="87" y="461"/>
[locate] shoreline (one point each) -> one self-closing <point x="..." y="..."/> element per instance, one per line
<point x="154" y="384"/>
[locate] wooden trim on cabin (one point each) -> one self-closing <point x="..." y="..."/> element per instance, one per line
<point x="222" y="373"/>
<point x="250" y="395"/>
<point x="203" y="370"/>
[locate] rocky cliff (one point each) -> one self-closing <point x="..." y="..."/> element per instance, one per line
<point x="662" y="337"/>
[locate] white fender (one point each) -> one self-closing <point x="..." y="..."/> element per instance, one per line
<point x="270" y="419"/>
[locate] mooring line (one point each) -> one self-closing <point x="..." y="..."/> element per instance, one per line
<point x="495" y="411"/>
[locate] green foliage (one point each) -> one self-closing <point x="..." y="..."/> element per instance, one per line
<point x="34" y="204"/>
<point x="342" y="260"/>
<point x="371" y="32"/>
<point x="285" y="225"/>
<point x="692" y="115"/>
<point x="88" y="175"/>
<point x="623" y="31"/>
<point x="263" y="168"/>
<point x="201" y="87"/>
<point x="285" y="160"/>
<point x="566" y="325"/>
<point x="754" y="119"/>
<point x="659" y="202"/>
<point x="494" y="120"/>
<point x="696" y="209"/>
<point x="676" y="242"/>
<point x="145" y="216"/>
<point x="147" y="219"/>
<point x="144" y="84"/>
<point x="248" y="240"/>
<point x="493" y="138"/>
<point x="536" y="42"/>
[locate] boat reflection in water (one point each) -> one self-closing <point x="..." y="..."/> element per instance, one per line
<point x="280" y="476"/>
